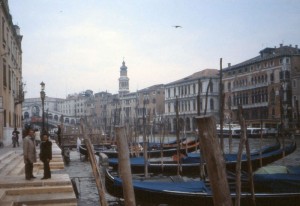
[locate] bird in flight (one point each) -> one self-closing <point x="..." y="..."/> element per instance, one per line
<point x="177" y="26"/>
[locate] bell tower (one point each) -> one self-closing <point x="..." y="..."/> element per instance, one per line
<point x="123" y="80"/>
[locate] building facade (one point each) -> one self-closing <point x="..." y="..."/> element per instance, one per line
<point x="183" y="94"/>
<point x="267" y="88"/>
<point x="11" y="85"/>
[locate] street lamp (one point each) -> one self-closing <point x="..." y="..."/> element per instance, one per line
<point x="47" y="119"/>
<point x="43" y="95"/>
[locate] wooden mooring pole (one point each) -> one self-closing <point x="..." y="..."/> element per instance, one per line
<point x="215" y="163"/>
<point x="125" y="169"/>
<point x="95" y="168"/>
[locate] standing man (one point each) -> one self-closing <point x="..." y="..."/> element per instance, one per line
<point x="29" y="152"/>
<point x="46" y="155"/>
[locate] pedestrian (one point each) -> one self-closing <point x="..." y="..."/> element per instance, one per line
<point x="29" y="152"/>
<point x="46" y="155"/>
<point x="58" y="132"/>
<point x="14" y="139"/>
<point x="15" y="135"/>
<point x="37" y="137"/>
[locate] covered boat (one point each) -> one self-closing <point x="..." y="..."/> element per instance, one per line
<point x="190" y="165"/>
<point x="137" y="150"/>
<point x="275" y="189"/>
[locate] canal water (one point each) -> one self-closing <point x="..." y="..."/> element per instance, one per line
<point x="80" y="171"/>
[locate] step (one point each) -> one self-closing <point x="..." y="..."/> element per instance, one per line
<point x="7" y="203"/>
<point x="15" y="181"/>
<point x="6" y="155"/>
<point x="53" y="165"/>
<point x="42" y="198"/>
<point x="9" y="162"/>
<point x="13" y="165"/>
<point x="39" y="190"/>
<point x="19" y="169"/>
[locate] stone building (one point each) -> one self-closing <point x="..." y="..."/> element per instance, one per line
<point x="11" y="85"/>
<point x="267" y="88"/>
<point x="185" y="91"/>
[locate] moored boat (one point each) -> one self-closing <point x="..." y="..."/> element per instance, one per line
<point x="190" y="165"/>
<point x="176" y="190"/>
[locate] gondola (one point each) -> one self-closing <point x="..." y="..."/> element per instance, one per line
<point x="190" y="165"/>
<point x="276" y="189"/>
<point x="154" y="151"/>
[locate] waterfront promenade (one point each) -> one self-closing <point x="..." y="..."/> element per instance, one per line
<point x="15" y="190"/>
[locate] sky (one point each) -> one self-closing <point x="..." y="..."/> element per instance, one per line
<point x="76" y="45"/>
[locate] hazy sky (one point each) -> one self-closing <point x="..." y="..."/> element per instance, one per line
<point x="74" y="45"/>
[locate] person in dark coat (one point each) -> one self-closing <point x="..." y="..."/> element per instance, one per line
<point x="15" y="135"/>
<point x="46" y="155"/>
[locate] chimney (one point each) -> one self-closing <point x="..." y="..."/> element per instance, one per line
<point x="280" y="45"/>
<point x="296" y="46"/>
<point x="229" y="65"/>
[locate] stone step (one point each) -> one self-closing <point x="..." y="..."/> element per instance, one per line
<point x="6" y="155"/>
<point x="19" y="169"/>
<point x="16" y="181"/>
<point x="12" y="166"/>
<point x="39" y="190"/>
<point x="54" y="198"/>
<point x="9" y="163"/>
<point x="6" y="203"/>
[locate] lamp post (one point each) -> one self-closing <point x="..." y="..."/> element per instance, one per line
<point x="47" y="119"/>
<point x="43" y="95"/>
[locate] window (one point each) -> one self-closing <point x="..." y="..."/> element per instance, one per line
<point x="294" y="83"/>
<point x="200" y="86"/>
<point x="211" y="104"/>
<point x="272" y="96"/>
<point x="9" y="78"/>
<point x="3" y="30"/>
<point x="4" y="73"/>
<point x="211" y="87"/>
<point x="272" y="77"/>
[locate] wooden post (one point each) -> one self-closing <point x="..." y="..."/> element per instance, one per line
<point x="177" y="136"/>
<point x="243" y="141"/>
<point x="145" y="145"/>
<point x="96" y="171"/>
<point x="215" y="162"/>
<point x="221" y="106"/>
<point x="125" y="169"/>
